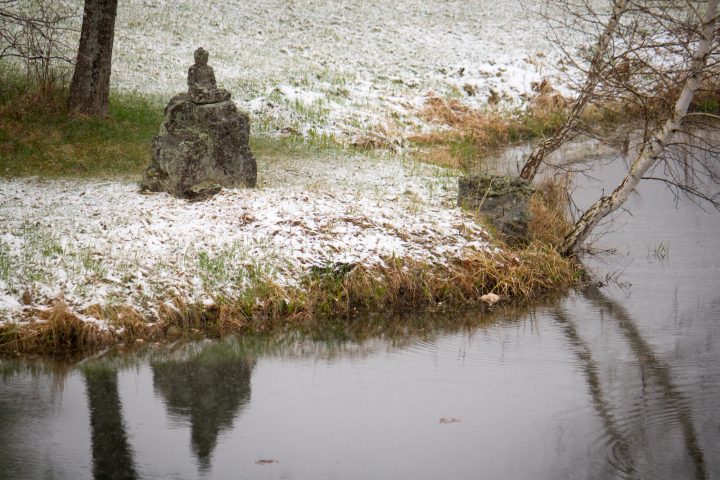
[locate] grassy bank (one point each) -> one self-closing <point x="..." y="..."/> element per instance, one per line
<point x="39" y="137"/>
<point x="469" y="137"/>
<point x="324" y="295"/>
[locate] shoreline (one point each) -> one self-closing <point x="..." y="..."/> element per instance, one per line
<point x="324" y="297"/>
<point x="87" y="263"/>
<point x="359" y="217"/>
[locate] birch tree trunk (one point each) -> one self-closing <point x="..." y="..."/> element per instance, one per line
<point x="90" y="87"/>
<point x="597" y="65"/>
<point x="651" y="152"/>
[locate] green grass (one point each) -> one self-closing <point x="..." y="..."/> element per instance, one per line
<point x="39" y="137"/>
<point x="465" y="150"/>
<point x="44" y="140"/>
<point x="708" y="105"/>
<point x="5" y="261"/>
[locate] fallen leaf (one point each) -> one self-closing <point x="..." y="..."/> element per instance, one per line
<point x="490" y="298"/>
<point x="449" y="420"/>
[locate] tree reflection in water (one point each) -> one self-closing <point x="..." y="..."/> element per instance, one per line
<point x="670" y="398"/>
<point x="652" y="368"/>
<point x="208" y="389"/>
<point x="112" y="456"/>
<point x="621" y="459"/>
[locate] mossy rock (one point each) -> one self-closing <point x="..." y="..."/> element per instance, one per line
<point x="201" y="144"/>
<point x="502" y="199"/>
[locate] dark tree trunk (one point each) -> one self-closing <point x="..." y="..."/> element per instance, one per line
<point x="90" y="85"/>
<point x="111" y="452"/>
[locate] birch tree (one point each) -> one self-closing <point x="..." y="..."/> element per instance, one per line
<point x="598" y="65"/>
<point x="655" y="142"/>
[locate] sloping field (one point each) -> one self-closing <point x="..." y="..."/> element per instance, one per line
<point x="336" y="66"/>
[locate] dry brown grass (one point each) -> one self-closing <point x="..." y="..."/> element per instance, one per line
<point x="442" y="156"/>
<point x="549" y="222"/>
<point x="471" y="134"/>
<point x="52" y="330"/>
<point x="378" y="137"/>
<point x="398" y="286"/>
<point x="548" y="103"/>
<point x="488" y="128"/>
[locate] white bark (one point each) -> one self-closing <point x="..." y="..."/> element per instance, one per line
<point x="597" y="66"/>
<point x="650" y="153"/>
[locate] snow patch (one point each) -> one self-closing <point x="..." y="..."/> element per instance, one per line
<point x="102" y="242"/>
<point x="363" y="58"/>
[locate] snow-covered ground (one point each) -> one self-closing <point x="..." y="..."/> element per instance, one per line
<point x="101" y="242"/>
<point x="336" y="66"/>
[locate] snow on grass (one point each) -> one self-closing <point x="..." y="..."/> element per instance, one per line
<point x="101" y="242"/>
<point x="318" y="67"/>
<point x="367" y="62"/>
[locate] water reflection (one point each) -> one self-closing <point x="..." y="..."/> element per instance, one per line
<point x="672" y="401"/>
<point x="111" y="453"/>
<point x="208" y="390"/>
<point x="589" y="387"/>
<point x="356" y="402"/>
<point x="620" y="457"/>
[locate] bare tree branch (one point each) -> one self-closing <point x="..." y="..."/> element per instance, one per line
<point x="37" y="35"/>
<point x="654" y="149"/>
<point x="597" y="67"/>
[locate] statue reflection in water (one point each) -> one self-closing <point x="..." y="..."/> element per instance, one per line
<point x="208" y="390"/>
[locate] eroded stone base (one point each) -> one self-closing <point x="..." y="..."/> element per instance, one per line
<point x="200" y="144"/>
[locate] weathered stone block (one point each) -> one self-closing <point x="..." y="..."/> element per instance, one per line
<point x="503" y="200"/>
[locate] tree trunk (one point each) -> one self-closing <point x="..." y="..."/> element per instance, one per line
<point x="90" y="87"/>
<point x="652" y="151"/>
<point x="597" y="64"/>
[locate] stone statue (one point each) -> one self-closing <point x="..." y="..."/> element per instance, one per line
<point x="202" y="86"/>
<point x="203" y="144"/>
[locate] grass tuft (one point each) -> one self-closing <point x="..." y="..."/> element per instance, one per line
<point x="470" y="134"/>
<point x="549" y="222"/>
<point x="56" y="329"/>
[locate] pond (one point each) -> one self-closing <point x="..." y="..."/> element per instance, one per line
<point x="617" y="381"/>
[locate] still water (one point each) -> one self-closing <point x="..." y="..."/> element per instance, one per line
<point x="621" y="381"/>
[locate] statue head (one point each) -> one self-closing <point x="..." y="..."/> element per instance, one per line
<point x="201" y="56"/>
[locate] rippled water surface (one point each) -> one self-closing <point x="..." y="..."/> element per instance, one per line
<point x="621" y="381"/>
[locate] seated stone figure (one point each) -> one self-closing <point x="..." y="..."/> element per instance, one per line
<point x="203" y="143"/>
<point x="202" y="86"/>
